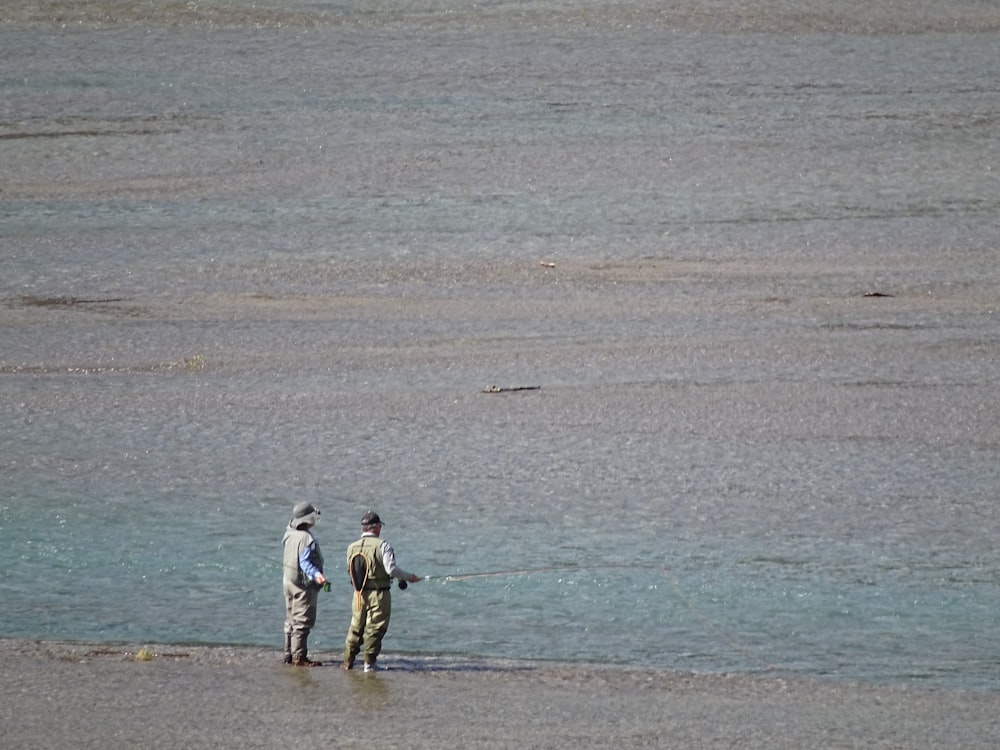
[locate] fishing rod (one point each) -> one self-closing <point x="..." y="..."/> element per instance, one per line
<point x="500" y="573"/>
<point x="547" y="569"/>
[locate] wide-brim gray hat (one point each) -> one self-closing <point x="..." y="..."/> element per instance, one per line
<point x="303" y="514"/>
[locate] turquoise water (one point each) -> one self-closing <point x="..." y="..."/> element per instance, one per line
<point x="278" y="256"/>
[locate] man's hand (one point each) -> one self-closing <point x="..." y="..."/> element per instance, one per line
<point x="320" y="579"/>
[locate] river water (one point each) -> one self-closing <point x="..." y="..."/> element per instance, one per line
<point x="741" y="258"/>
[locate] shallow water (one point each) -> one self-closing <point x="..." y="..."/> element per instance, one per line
<point x="278" y="254"/>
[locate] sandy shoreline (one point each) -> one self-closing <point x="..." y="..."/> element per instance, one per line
<point x="100" y="695"/>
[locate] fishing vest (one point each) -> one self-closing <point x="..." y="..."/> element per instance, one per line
<point x="369" y="547"/>
<point x="295" y="541"/>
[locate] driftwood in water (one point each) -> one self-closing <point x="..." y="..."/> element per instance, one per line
<point x="34" y="301"/>
<point x="508" y="389"/>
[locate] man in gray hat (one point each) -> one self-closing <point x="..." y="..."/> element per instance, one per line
<point x="371" y="564"/>
<point x="303" y="565"/>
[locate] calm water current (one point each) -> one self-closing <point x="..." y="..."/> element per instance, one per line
<point x="747" y="256"/>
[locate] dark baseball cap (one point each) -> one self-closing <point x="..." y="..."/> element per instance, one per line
<point x="371" y="519"/>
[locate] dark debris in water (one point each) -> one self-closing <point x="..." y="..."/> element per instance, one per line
<point x="397" y="664"/>
<point x="104" y="305"/>
<point x="33" y="301"/>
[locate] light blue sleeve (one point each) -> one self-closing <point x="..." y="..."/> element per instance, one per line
<point x="306" y="564"/>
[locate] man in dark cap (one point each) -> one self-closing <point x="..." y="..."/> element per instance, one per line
<point x="303" y="565"/>
<point x="371" y="564"/>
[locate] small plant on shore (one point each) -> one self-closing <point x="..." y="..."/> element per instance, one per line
<point x="145" y="654"/>
<point x="197" y="362"/>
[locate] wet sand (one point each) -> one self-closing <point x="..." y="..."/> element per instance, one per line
<point x="99" y="695"/>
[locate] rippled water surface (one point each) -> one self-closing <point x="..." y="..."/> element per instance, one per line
<point x="746" y="259"/>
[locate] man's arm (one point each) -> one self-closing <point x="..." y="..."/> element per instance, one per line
<point x="389" y="561"/>
<point x="308" y="569"/>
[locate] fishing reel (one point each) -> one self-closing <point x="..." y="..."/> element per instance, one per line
<point x="403" y="585"/>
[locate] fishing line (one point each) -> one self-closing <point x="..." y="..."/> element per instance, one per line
<point x="709" y="625"/>
<point x="712" y="627"/>
<point x="272" y="561"/>
<point x="705" y="620"/>
<point x="498" y="573"/>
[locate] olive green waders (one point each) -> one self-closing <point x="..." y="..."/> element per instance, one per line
<point x="369" y="624"/>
